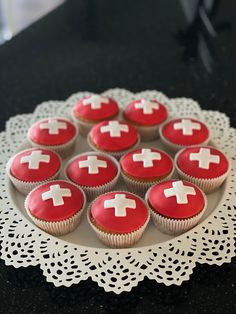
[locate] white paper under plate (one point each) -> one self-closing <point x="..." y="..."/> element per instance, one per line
<point x="79" y="255"/>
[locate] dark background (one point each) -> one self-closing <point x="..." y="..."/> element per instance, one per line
<point x="182" y="48"/>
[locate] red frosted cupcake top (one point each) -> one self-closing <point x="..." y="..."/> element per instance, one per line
<point x="176" y="199"/>
<point x="52" y="131"/>
<point x="95" y="108"/>
<point x="202" y="162"/>
<point x="146" y="112"/>
<point x="91" y="169"/>
<point x="33" y="165"/>
<point x="119" y="212"/>
<point x="146" y="163"/>
<point x="113" y="136"/>
<point x="55" y="201"/>
<point x="185" y="132"/>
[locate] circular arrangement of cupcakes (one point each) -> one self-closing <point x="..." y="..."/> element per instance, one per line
<point x="146" y="116"/>
<point x="118" y="218"/>
<point x="93" y="109"/>
<point x="176" y="206"/>
<point x="113" y="137"/>
<point x="58" y="134"/>
<point x="141" y="168"/>
<point x="179" y="133"/>
<point x="31" y="167"/>
<point x="96" y="173"/>
<point x="56" y="207"/>
<point x="205" y="166"/>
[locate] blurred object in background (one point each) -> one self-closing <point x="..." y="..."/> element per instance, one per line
<point x="15" y="15"/>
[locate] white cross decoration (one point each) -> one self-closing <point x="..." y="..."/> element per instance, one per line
<point x="95" y="101"/>
<point x="180" y="191"/>
<point x="120" y="203"/>
<point x="204" y="158"/>
<point x="147" y="157"/>
<point x="53" y="126"/>
<point x="33" y="160"/>
<point x="56" y="193"/>
<point x="187" y="126"/>
<point x="147" y="106"/>
<point x="114" y="128"/>
<point x="93" y="164"/>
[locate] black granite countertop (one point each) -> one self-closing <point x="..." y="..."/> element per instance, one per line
<point x="182" y="48"/>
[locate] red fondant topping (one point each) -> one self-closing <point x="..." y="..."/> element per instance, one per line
<point x="177" y="136"/>
<point x="168" y="207"/>
<point x="137" y="115"/>
<point x="137" y="170"/>
<point x="82" y="176"/>
<point x="46" y="211"/>
<point x="105" y="142"/>
<point x="105" y="217"/>
<point x="191" y="167"/>
<point x="22" y="172"/>
<point x="106" y="111"/>
<point x="42" y="136"/>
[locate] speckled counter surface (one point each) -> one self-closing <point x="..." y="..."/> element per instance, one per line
<point x="96" y="45"/>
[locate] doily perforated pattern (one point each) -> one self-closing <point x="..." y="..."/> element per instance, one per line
<point x="172" y="262"/>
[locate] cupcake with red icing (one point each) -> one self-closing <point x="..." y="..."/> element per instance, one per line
<point x="56" y="207"/>
<point x="58" y="134"/>
<point x="205" y="166"/>
<point x="118" y="218"/>
<point x="146" y="116"/>
<point x="143" y="167"/>
<point x="113" y="137"/>
<point x="93" y="109"/>
<point x="96" y="173"/>
<point x="176" y="206"/>
<point x="182" y="132"/>
<point x="32" y="167"/>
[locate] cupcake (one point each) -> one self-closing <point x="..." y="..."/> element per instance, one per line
<point x="96" y="173"/>
<point x="176" y="206"/>
<point x="58" y="134"/>
<point x="146" y="116"/>
<point x="143" y="167"/>
<point x="205" y="166"/>
<point x="113" y="137"/>
<point x="93" y="109"/>
<point x="178" y="133"/>
<point x="56" y="207"/>
<point x="32" y="167"/>
<point x="118" y="218"/>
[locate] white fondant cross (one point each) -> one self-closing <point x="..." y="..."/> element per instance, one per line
<point x="204" y="158"/>
<point x="147" y="157"/>
<point x="56" y="193"/>
<point x="147" y="106"/>
<point x="95" y="101"/>
<point x="187" y="126"/>
<point x="34" y="159"/>
<point x="53" y="126"/>
<point x="93" y="164"/>
<point x="114" y="128"/>
<point x="120" y="203"/>
<point x="180" y="191"/>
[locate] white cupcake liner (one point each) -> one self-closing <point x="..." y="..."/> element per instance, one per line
<point x="173" y="226"/>
<point x="118" y="240"/>
<point x="64" y="150"/>
<point x="57" y="228"/>
<point x="94" y="191"/>
<point x="207" y="185"/>
<point x="117" y="154"/>
<point x="25" y="187"/>
<point x="176" y="147"/>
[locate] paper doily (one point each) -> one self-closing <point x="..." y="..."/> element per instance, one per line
<point x="117" y="270"/>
